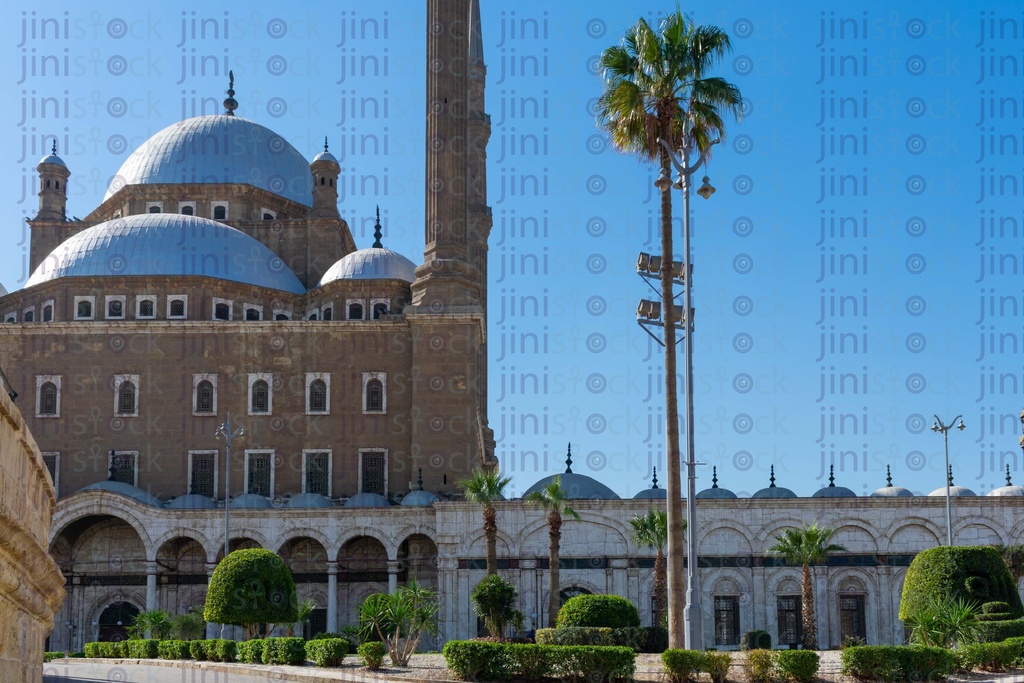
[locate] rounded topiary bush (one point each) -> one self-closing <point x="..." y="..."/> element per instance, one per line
<point x="611" y="611"/>
<point x="251" y="587"/>
<point x="975" y="574"/>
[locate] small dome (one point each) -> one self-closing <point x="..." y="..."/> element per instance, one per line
<point x="375" y="263"/>
<point x="367" y="500"/>
<point x="833" y="491"/>
<point x="715" y="492"/>
<point x="250" y="501"/>
<point x="52" y="158"/>
<point x="653" y="493"/>
<point x="325" y="155"/>
<point x="154" y="244"/>
<point x="893" y="492"/>
<point x="773" y="491"/>
<point x="191" y="501"/>
<point x="954" y="491"/>
<point x="1009" y="489"/>
<point x="420" y="497"/>
<point x="309" y="500"/>
<point x="133" y="492"/>
<point x="218" y="149"/>
<point x="576" y="486"/>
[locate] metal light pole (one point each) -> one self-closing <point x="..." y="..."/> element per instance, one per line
<point x="938" y="426"/>
<point x="692" y="613"/>
<point x="224" y="431"/>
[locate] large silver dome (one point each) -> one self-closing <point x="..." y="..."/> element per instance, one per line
<point x="219" y="149"/>
<point x="375" y="263"/>
<point x="167" y="244"/>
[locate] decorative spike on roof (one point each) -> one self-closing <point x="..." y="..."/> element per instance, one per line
<point x="654" y="477"/>
<point x="1008" y="482"/>
<point x="53" y="150"/>
<point x="832" y="476"/>
<point x="714" y="477"/>
<point x="949" y="476"/>
<point x="325" y="143"/>
<point x="419" y="480"/>
<point x="888" y="476"/>
<point x="772" y="478"/>
<point x="377" y="234"/>
<point x="568" y="460"/>
<point x="230" y="103"/>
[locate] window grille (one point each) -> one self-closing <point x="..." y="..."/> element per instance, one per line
<point x="373" y="473"/>
<point x="122" y="468"/>
<point x="317" y="473"/>
<point x="790" y="626"/>
<point x="260" y="396"/>
<point x="126" y="399"/>
<point x="727" y="620"/>
<point x="202" y="474"/>
<point x="317" y="396"/>
<point x="375" y="396"/>
<point x="204" y="397"/>
<point x="258" y="476"/>
<point x="48" y="399"/>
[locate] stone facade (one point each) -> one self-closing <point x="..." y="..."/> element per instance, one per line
<point x="31" y="585"/>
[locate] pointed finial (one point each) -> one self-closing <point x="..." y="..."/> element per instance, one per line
<point x="888" y="476"/>
<point x="53" y="150"/>
<point x="832" y="476"/>
<point x="419" y="480"/>
<point x="772" y="478"/>
<point x="376" y="232"/>
<point x="1008" y="482"/>
<point x="568" y="460"/>
<point x="714" y="477"/>
<point x="325" y="143"/>
<point x="231" y="104"/>
<point x="654" y="477"/>
<point x="949" y="476"/>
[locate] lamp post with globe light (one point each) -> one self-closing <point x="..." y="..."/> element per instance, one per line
<point x="227" y="433"/>
<point x="939" y="426"/>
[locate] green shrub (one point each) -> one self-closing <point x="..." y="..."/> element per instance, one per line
<point x="1016" y="646"/>
<point x="50" y="656"/>
<point x="533" y="662"/>
<point x="995" y="616"/>
<point x="995" y="607"/>
<point x="472" y="660"/>
<point x="76" y="655"/>
<point x="760" y="666"/>
<point x="327" y="651"/>
<point x="324" y="635"/>
<point x="199" y="649"/>
<point x="221" y="650"/>
<point x="636" y="638"/>
<point x="756" y="640"/>
<point x="657" y="639"/>
<point x="800" y="666"/>
<point x="284" y="651"/>
<point x="372" y="655"/>
<point x="985" y="656"/>
<point x="595" y="663"/>
<point x="174" y="649"/>
<point x="682" y="666"/>
<point x="489" y="661"/>
<point x="251" y="651"/>
<point x="894" y="664"/>
<point x="998" y="631"/>
<point x="92" y="650"/>
<point x="250" y="588"/>
<point x="612" y="611"/>
<point x="494" y="601"/>
<point x="142" y="649"/>
<point x="716" y="665"/>
<point x="972" y="573"/>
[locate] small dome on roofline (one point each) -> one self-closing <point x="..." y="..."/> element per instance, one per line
<point x="309" y="500"/>
<point x="119" y="487"/>
<point x="653" y="493"/>
<point x="1009" y="489"/>
<point x="833" y="491"/>
<point x="773" y="491"/>
<point x="890" y="491"/>
<point x="954" y="491"/>
<point x="250" y="501"/>
<point x="715" y="492"/>
<point x="576" y="486"/>
<point x="367" y="500"/>
<point x="191" y="501"/>
<point x="419" y="496"/>
<point x="375" y="263"/>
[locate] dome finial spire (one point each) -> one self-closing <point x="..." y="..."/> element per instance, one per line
<point x="654" y="477"/>
<point x="568" y="460"/>
<point x="714" y="477"/>
<point x="53" y="150"/>
<point x="377" y="234"/>
<point x="325" y="143"/>
<point x="832" y="476"/>
<point x="949" y="476"/>
<point x="419" y="480"/>
<point x="771" y="479"/>
<point x="231" y="104"/>
<point x="888" y="476"/>
<point x="1008" y="482"/>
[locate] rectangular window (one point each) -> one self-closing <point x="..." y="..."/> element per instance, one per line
<point x="52" y="462"/>
<point x="259" y="473"/>
<point x="852" y="621"/>
<point x="145" y="307"/>
<point x="115" y="307"/>
<point x="790" y="620"/>
<point x="202" y="474"/>
<point x="317" y="472"/>
<point x="221" y="309"/>
<point x="373" y="472"/>
<point x="727" y="620"/>
<point x="176" y="306"/>
<point x="122" y="467"/>
<point x="83" y="307"/>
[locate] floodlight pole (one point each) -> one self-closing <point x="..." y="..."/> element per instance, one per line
<point x="224" y="431"/>
<point x="938" y="426"/>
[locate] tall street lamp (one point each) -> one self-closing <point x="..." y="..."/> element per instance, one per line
<point x="938" y="426"/>
<point x="225" y="432"/>
<point x="692" y="614"/>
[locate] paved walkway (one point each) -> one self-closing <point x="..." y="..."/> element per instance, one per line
<point x="158" y="671"/>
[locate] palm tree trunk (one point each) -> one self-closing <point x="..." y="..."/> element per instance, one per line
<point x="554" y="538"/>
<point x="659" y="589"/>
<point x="491" y="534"/>
<point x="676" y="571"/>
<point x="810" y="639"/>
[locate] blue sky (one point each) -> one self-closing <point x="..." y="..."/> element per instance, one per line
<point x="860" y="268"/>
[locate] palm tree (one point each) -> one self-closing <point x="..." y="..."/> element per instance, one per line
<point x="805" y="547"/>
<point x="657" y="87"/>
<point x="651" y="531"/>
<point x="552" y="499"/>
<point x="487" y="487"/>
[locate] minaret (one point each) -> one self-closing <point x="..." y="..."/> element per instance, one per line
<point x="53" y="187"/>
<point x="458" y="220"/>
<point x="325" y="170"/>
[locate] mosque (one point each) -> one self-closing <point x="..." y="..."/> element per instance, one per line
<point x="217" y="278"/>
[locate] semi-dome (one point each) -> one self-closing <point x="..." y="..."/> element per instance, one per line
<point x="375" y="263"/>
<point x="367" y="500"/>
<point x="191" y="501"/>
<point x="119" y="487"/>
<point x="576" y="486"/>
<point x="833" y="491"/>
<point x="310" y="500"/>
<point x="653" y="493"/>
<point x="1009" y="489"/>
<point x="167" y="244"/>
<point x="250" y="501"/>
<point x="890" y="491"/>
<point x="716" y="492"/>
<point x="773" y="491"/>
<point x="218" y="149"/>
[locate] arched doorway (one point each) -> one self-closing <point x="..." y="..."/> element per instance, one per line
<point x="571" y="592"/>
<point x="115" y="620"/>
<point x="307" y="559"/>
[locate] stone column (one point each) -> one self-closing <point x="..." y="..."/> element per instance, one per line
<point x="332" y="597"/>
<point x="212" y="629"/>
<point x="618" y="575"/>
<point x="633" y="587"/>
<point x="151" y="602"/>
<point x="394" y="567"/>
<point x="528" y="591"/>
<point x="446" y="580"/>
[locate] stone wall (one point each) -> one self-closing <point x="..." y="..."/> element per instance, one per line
<point x="31" y="585"/>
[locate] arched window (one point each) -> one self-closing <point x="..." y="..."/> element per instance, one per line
<point x="29" y="316"/>
<point x="187" y="211"/>
<point x="177" y="308"/>
<point x="48" y="399"/>
<point x="312" y="316"/>
<point x="204" y="397"/>
<point x="260" y="397"/>
<point x="126" y="398"/>
<point x="379" y="309"/>
<point x="281" y="316"/>
<point x="328" y="313"/>
<point x="317" y="396"/>
<point x="268" y="216"/>
<point x="252" y="314"/>
<point x="374" y="396"/>
<point x="220" y="212"/>
<point x="84" y="309"/>
<point x="115" y="308"/>
<point x="222" y="312"/>
<point x="47" y="313"/>
<point x="355" y="311"/>
<point x="146" y="308"/>
<point x="323" y="181"/>
<point x="154" y="209"/>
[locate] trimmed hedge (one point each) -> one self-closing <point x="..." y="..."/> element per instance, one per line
<point x="682" y="666"/>
<point x="611" y="611"/>
<point x="175" y="649"/>
<point x="284" y="651"/>
<point x="142" y="649"/>
<point x="92" y="650"/>
<point x="998" y="631"/>
<point x="643" y="639"/>
<point x="894" y="664"/>
<point x="50" y="656"/>
<point x="756" y="640"/>
<point x="251" y="651"/>
<point x="487" y="661"/>
<point x="974" y="573"/>
<point x="372" y="654"/>
<point x="199" y="649"/>
<point x="326" y="651"/>
<point x="985" y="656"/>
<point x="995" y="607"/>
<point x="107" y="650"/>
<point x="252" y="586"/>
<point x="800" y="666"/>
<point x="221" y="650"/>
<point x="761" y="666"/>
<point x="716" y="665"/>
